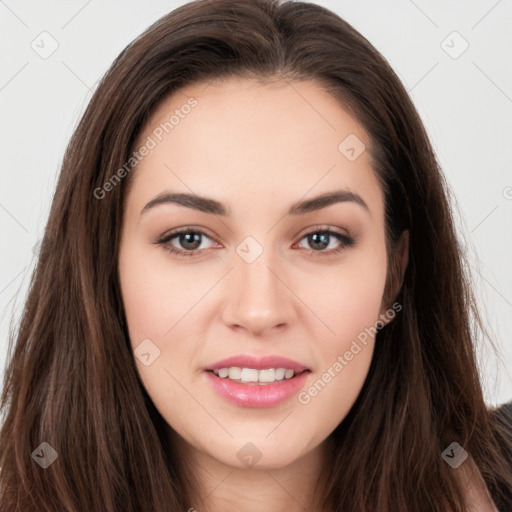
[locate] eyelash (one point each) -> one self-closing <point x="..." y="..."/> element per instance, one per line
<point x="346" y="242"/>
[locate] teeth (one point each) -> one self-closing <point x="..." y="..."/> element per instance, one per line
<point x="288" y="374"/>
<point x="234" y="373"/>
<point x="249" y="375"/>
<point x="253" y="375"/>
<point x="223" y="372"/>
<point x="267" y="375"/>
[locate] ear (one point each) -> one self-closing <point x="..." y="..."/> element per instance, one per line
<point x="396" y="271"/>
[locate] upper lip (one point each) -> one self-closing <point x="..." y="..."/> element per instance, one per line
<point x="248" y="361"/>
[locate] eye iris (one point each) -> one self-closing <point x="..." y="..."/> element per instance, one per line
<point x="319" y="238"/>
<point x="190" y="238"/>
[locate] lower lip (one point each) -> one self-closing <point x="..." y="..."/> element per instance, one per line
<point x="254" y="394"/>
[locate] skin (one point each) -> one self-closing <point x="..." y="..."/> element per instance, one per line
<point x="258" y="149"/>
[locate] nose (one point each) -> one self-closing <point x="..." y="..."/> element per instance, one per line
<point x="258" y="296"/>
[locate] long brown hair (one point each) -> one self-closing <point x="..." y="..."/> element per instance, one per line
<point x="72" y="382"/>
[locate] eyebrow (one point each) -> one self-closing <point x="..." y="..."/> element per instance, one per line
<point x="208" y="205"/>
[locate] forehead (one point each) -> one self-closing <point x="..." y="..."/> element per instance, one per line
<point x="276" y="139"/>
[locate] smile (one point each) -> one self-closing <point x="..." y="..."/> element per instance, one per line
<point x="255" y="393"/>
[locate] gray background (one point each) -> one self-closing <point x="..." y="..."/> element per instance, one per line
<point x="463" y="97"/>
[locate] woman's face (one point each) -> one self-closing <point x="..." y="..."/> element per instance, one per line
<point x="259" y="277"/>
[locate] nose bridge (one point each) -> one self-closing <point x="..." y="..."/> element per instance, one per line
<point x="258" y="299"/>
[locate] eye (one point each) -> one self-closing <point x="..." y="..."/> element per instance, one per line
<point x="189" y="238"/>
<point x="321" y="238"/>
<point x="191" y="241"/>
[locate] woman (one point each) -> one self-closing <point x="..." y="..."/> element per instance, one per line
<point x="316" y="354"/>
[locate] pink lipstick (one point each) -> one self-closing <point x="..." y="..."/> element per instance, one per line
<point x="257" y="382"/>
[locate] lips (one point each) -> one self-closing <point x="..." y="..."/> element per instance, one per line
<point x="262" y="363"/>
<point x="256" y="395"/>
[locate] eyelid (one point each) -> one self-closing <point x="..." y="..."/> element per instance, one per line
<point x="317" y="228"/>
<point x="169" y="235"/>
<point x="347" y="240"/>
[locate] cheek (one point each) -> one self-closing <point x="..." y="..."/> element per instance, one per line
<point x="349" y="306"/>
<point x="154" y="294"/>
<point x="348" y="298"/>
<point x="344" y="355"/>
<point x="159" y="302"/>
<point x="355" y="304"/>
<point x="155" y="299"/>
<point x="332" y="391"/>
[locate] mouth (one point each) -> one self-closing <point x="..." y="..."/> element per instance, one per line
<point x="247" y="381"/>
<point x="256" y="394"/>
